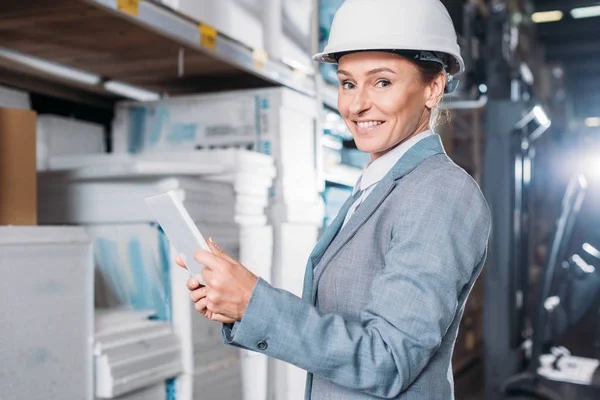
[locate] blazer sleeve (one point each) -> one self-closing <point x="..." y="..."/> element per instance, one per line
<point x="439" y="239"/>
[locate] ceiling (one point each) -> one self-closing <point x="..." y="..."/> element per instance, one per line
<point x="576" y="44"/>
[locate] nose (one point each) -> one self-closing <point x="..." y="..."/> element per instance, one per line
<point x="361" y="102"/>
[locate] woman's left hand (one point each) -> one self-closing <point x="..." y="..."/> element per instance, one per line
<point x="229" y="284"/>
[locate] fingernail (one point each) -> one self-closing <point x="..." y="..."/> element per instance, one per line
<point x="213" y="243"/>
<point x="193" y="282"/>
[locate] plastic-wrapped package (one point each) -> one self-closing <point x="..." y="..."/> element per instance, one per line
<point x="327" y="9"/>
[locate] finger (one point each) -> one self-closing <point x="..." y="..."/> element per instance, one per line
<point x="200" y="306"/>
<point x="214" y="248"/>
<point x="193" y="284"/>
<point x="198" y="294"/>
<point x="180" y="262"/>
<point x="207" y="276"/>
<point x="207" y="259"/>
<point x="222" y="319"/>
<point x="218" y="252"/>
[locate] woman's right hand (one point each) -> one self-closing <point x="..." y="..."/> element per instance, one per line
<point x="198" y="296"/>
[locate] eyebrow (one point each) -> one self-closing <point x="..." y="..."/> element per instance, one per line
<point x="371" y="72"/>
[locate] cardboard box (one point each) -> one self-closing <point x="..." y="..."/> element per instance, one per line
<point x="277" y="122"/>
<point x="156" y="392"/>
<point x="57" y="136"/>
<point x="136" y="256"/>
<point x="47" y="313"/>
<point x="288" y="32"/>
<point x="133" y="353"/>
<point x="281" y="27"/>
<point x="13" y="98"/>
<point x="238" y="19"/>
<point x="18" y="187"/>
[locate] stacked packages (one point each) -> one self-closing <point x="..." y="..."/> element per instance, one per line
<point x="282" y="28"/>
<point x="57" y="136"/>
<point x="134" y="356"/>
<point x="244" y="163"/>
<point x="225" y="192"/>
<point x="278" y="122"/>
<point x="46" y="313"/>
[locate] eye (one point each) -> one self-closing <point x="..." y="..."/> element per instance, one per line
<point x="383" y="83"/>
<point x="348" y="85"/>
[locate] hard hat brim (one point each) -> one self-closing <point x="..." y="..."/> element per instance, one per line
<point x="329" y="57"/>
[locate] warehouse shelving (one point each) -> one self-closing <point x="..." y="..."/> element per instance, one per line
<point x="329" y="96"/>
<point x="141" y="43"/>
<point x="342" y="175"/>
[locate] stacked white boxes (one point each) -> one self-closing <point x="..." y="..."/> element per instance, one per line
<point x="57" y="136"/>
<point x="282" y="28"/>
<point x="13" y="98"/>
<point x="226" y="193"/>
<point x="47" y="313"/>
<point x="134" y="356"/>
<point x="279" y="122"/>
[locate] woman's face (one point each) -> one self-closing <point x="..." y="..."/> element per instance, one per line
<point x="383" y="100"/>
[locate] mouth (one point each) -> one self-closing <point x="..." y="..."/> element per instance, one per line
<point x="368" y="126"/>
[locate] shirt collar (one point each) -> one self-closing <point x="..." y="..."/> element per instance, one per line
<point x="376" y="170"/>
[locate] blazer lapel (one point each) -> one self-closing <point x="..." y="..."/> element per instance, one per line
<point x="421" y="151"/>
<point x="323" y="243"/>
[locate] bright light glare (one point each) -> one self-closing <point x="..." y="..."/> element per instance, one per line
<point x="585" y="267"/>
<point x="58" y="70"/>
<point x="527" y="74"/>
<point x="527" y="170"/>
<point x="551" y="303"/>
<point x="582" y="181"/>
<point x="541" y="116"/>
<point x="483" y="88"/>
<point x="546" y="16"/>
<point x="591" y="250"/>
<point x="131" y="92"/>
<point x="586" y="12"/>
<point x="592" y="122"/>
<point x="591" y="166"/>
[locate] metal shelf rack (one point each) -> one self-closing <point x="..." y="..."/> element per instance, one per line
<point x="137" y="42"/>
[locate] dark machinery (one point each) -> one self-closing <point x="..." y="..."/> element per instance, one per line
<point x="567" y="290"/>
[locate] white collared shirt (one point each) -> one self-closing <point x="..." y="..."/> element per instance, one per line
<point x="376" y="170"/>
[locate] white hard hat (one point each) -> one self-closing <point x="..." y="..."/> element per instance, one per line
<point x="421" y="26"/>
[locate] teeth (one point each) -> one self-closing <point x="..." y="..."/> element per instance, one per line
<point x="368" y="124"/>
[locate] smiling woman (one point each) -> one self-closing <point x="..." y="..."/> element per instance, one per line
<point x="386" y="98"/>
<point x="385" y="286"/>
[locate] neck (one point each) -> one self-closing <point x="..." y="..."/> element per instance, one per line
<point x="421" y="129"/>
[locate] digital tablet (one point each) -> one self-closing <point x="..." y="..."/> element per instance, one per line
<point x="180" y="229"/>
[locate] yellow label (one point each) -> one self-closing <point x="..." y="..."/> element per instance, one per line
<point x="129" y="6"/>
<point x="470" y="340"/>
<point x="208" y="36"/>
<point x="259" y="58"/>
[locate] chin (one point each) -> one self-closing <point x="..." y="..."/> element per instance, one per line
<point x="369" y="146"/>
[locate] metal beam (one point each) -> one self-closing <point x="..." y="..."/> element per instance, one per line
<point x="498" y="70"/>
<point x="48" y="87"/>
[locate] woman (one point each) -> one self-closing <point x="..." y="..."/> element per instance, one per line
<point x="386" y="285"/>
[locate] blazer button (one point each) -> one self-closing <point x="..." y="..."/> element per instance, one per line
<point x="262" y="345"/>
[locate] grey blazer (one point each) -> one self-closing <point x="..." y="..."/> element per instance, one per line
<point x="383" y="296"/>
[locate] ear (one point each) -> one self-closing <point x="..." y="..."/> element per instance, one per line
<point x="435" y="91"/>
